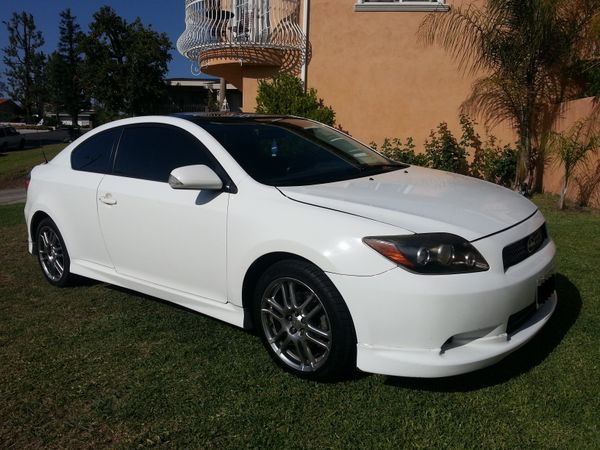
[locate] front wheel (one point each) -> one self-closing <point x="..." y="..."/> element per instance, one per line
<point x="52" y="254"/>
<point x="304" y="322"/>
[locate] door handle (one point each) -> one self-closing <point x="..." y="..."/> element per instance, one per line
<point x="108" y="200"/>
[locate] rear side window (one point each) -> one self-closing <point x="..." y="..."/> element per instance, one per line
<point x="152" y="152"/>
<point x="93" y="155"/>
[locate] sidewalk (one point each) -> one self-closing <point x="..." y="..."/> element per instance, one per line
<point x="12" y="196"/>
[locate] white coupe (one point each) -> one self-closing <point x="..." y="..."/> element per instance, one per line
<point x="336" y="255"/>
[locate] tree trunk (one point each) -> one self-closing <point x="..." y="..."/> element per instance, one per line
<point x="538" y="186"/>
<point x="563" y="193"/>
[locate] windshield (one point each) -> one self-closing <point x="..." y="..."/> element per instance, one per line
<point x="295" y="152"/>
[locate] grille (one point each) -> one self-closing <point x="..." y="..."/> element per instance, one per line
<point x="544" y="291"/>
<point x="522" y="249"/>
<point x="519" y="318"/>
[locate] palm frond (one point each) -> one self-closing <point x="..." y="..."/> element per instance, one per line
<point x="494" y="99"/>
<point x="461" y="32"/>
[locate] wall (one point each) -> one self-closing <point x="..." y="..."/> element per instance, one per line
<point x="381" y="82"/>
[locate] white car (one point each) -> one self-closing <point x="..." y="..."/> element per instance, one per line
<point x="337" y="256"/>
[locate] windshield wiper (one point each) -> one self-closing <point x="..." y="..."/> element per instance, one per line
<point x="390" y="165"/>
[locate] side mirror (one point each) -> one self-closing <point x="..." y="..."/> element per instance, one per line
<point x="195" y="177"/>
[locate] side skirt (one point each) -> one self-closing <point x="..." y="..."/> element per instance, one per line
<point x="226" y="312"/>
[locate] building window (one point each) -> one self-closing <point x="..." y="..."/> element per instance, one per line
<point x="401" y="5"/>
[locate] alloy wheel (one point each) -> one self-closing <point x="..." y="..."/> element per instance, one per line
<point x="296" y="324"/>
<point x="51" y="254"/>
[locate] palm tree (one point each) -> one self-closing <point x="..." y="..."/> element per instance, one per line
<point x="530" y="52"/>
<point x="571" y="149"/>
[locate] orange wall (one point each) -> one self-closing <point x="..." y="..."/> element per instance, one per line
<point x="379" y="79"/>
<point x="381" y="82"/>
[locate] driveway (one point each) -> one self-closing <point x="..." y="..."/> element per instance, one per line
<point x="12" y="196"/>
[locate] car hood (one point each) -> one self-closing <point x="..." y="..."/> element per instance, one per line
<point x="422" y="201"/>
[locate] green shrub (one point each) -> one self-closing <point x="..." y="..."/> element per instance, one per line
<point x="444" y="152"/>
<point x="494" y="163"/>
<point x="284" y="94"/>
<point x="51" y="121"/>
<point x="396" y="150"/>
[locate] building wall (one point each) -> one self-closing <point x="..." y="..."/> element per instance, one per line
<point x="380" y="80"/>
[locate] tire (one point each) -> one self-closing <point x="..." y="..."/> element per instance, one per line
<point x="303" y="321"/>
<point x="4" y="147"/>
<point x="52" y="254"/>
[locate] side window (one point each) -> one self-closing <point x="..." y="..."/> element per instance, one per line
<point x="93" y="155"/>
<point x="151" y="152"/>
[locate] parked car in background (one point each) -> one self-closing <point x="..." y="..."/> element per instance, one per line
<point x="336" y="255"/>
<point x="10" y="138"/>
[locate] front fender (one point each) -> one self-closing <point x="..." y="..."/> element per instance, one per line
<point x="331" y="240"/>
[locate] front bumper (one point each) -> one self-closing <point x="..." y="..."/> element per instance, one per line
<point x="475" y="355"/>
<point x="434" y="326"/>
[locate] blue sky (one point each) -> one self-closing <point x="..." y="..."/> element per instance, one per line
<point x="164" y="15"/>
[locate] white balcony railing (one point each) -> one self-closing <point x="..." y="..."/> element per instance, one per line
<point x="242" y="29"/>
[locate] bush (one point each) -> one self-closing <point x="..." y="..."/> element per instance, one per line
<point x="51" y="121"/>
<point x="396" y="150"/>
<point x="284" y="94"/>
<point x="587" y="184"/>
<point x="102" y="116"/>
<point x="444" y="152"/>
<point x="494" y="163"/>
<point x="572" y="149"/>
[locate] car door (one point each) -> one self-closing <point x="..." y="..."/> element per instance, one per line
<point x="90" y="161"/>
<point x="168" y="237"/>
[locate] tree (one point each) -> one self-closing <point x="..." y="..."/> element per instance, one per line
<point x="572" y="149"/>
<point x="125" y="63"/>
<point x="284" y="94"/>
<point x="531" y="53"/>
<point x="24" y="63"/>
<point x="64" y="68"/>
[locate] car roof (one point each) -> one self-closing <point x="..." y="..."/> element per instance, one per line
<point x="224" y="117"/>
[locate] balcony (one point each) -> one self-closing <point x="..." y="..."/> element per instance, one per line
<point x="247" y="32"/>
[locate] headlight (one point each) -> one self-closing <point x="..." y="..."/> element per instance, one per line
<point x="430" y="253"/>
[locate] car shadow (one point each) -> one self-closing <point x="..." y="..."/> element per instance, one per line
<point x="167" y="303"/>
<point x="522" y="361"/>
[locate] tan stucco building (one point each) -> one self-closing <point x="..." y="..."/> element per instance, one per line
<point x="363" y="56"/>
<point x="366" y="62"/>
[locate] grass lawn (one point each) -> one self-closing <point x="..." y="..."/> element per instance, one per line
<point x="96" y="366"/>
<point x="16" y="165"/>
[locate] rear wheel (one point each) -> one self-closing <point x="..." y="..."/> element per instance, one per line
<point x="52" y="254"/>
<point x="304" y="322"/>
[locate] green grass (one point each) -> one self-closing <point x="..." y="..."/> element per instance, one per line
<point x="95" y="366"/>
<point x="16" y="165"/>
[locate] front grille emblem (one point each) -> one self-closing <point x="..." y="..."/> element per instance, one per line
<point x="534" y="242"/>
